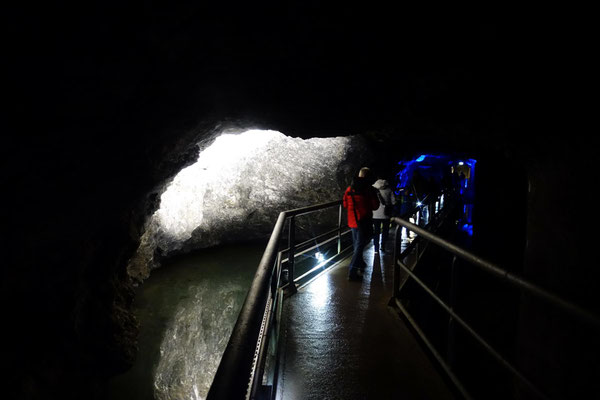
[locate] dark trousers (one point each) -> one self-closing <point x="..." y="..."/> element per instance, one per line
<point x="380" y="227"/>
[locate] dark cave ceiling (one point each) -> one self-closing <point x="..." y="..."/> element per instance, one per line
<point x="307" y="68"/>
<point x="133" y="84"/>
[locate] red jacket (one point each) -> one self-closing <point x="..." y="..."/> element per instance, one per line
<point x="365" y="204"/>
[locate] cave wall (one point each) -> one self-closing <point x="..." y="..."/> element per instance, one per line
<point x="106" y="102"/>
<point x="239" y="185"/>
<point x="558" y="352"/>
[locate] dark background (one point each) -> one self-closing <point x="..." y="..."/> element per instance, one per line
<point x="104" y="102"/>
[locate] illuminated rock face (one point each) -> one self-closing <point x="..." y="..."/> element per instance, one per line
<point x="239" y="185"/>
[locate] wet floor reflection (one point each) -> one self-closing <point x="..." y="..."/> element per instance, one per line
<point x="342" y="342"/>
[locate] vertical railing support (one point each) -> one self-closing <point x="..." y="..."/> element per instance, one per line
<point x="277" y="281"/>
<point x="292" y="250"/>
<point x="397" y="244"/>
<point x="340" y="229"/>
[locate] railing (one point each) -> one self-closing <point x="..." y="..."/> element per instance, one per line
<point x="491" y="269"/>
<point x="248" y="368"/>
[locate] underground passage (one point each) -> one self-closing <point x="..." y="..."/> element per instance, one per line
<point x="175" y="224"/>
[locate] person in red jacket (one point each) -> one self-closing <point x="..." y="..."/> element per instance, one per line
<point x="360" y="199"/>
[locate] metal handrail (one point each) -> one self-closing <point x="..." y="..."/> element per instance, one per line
<point x="498" y="273"/>
<point x="239" y="375"/>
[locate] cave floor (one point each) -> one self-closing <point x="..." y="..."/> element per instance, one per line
<point x="342" y="341"/>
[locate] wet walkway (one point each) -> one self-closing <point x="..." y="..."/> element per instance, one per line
<point x="342" y="341"/>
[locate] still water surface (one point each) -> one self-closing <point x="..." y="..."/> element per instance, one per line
<point x="186" y="311"/>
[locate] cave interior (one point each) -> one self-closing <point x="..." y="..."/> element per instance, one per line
<point x="108" y="102"/>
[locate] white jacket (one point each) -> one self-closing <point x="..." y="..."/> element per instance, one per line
<point x="385" y="194"/>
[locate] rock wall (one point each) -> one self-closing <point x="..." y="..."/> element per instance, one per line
<point x="239" y="185"/>
<point x="558" y="352"/>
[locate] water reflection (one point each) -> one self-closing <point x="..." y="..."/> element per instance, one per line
<point x="195" y="339"/>
<point x="186" y="311"/>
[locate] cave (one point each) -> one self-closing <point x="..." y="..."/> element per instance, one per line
<point x="107" y="103"/>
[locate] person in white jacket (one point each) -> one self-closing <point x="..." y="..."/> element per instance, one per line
<point x="381" y="216"/>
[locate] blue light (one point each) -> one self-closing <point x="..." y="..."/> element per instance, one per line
<point x="430" y="166"/>
<point x="468" y="229"/>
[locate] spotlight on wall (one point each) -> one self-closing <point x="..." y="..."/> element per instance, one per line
<point x="461" y="163"/>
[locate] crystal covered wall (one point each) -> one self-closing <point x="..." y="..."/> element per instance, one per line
<point x="238" y="186"/>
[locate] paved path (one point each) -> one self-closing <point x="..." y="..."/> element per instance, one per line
<point x="343" y="342"/>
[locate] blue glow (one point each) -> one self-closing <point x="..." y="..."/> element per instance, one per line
<point x="470" y="162"/>
<point x="468" y="228"/>
<point x="430" y="166"/>
<point x="421" y="163"/>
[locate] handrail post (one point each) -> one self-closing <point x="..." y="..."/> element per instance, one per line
<point x="276" y="280"/>
<point x="340" y="229"/>
<point x="397" y="245"/>
<point x="292" y="250"/>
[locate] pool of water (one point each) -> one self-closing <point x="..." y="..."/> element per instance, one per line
<point x="186" y="311"/>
